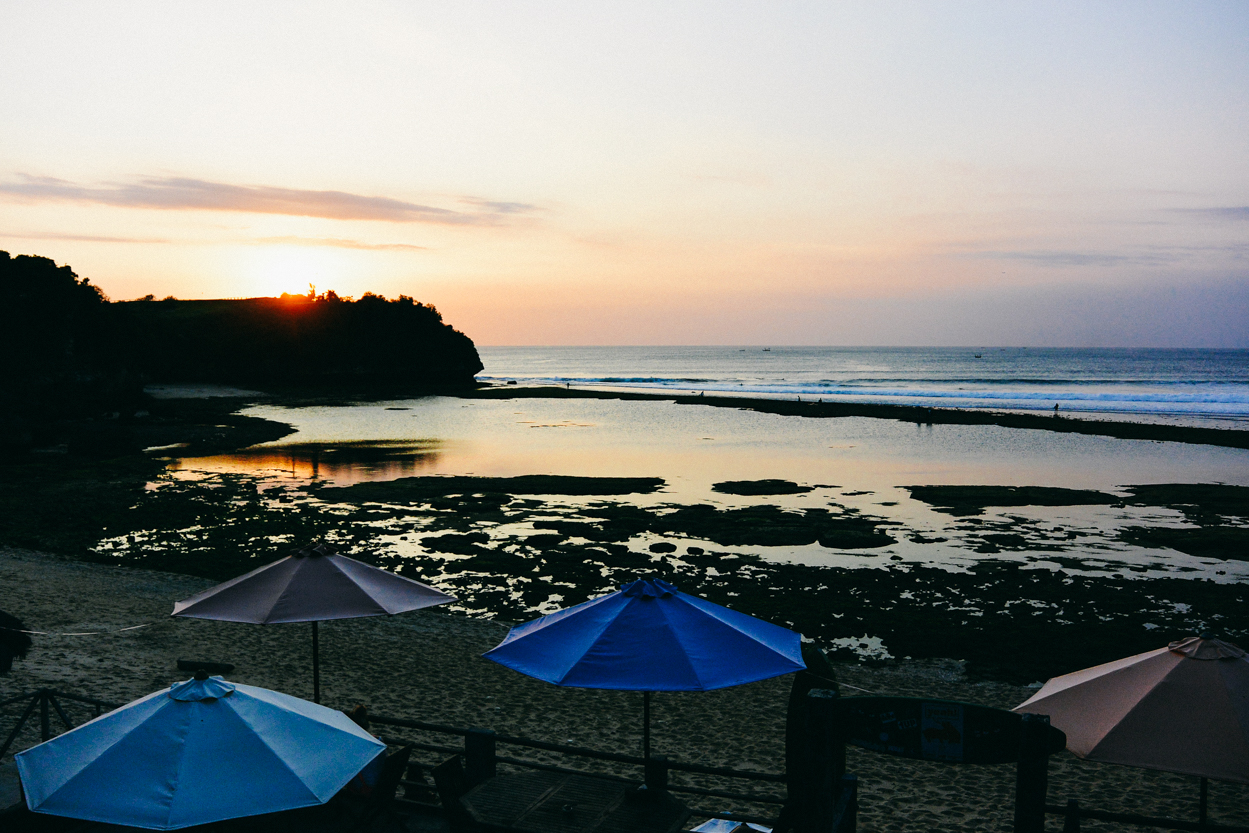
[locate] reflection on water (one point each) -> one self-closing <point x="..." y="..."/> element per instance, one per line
<point x="341" y="463"/>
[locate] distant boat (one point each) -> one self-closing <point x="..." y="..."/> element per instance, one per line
<point x="977" y="355"/>
<point x="767" y="349"/>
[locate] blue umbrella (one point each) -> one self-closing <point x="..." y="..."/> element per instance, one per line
<point x="649" y="636"/>
<point x="203" y="751"/>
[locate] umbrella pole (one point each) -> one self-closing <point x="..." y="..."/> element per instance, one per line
<point x="646" y="725"/>
<point x="1201" y="807"/>
<point x="316" y="667"/>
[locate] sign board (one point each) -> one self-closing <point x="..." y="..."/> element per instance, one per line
<point x="934" y="730"/>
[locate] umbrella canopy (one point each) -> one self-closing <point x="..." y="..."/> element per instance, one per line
<point x="727" y="826"/>
<point x="203" y="751"/>
<point x="312" y="585"/>
<point x="649" y="636"/>
<point x="1183" y="708"/>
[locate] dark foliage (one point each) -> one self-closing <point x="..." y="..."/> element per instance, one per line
<point x="299" y="339"/>
<point x="71" y="356"/>
<point x="56" y="327"/>
<point x="53" y="322"/>
<point x="62" y="352"/>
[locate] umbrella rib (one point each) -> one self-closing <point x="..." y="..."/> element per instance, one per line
<point x="265" y="741"/>
<point x="182" y="755"/>
<point x="676" y="635"/>
<point x="607" y="623"/>
<point x="713" y="611"/>
<point x="338" y="568"/>
<point x="716" y="615"/>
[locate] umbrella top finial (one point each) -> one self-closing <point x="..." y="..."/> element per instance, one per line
<point x="652" y="588"/>
<point x="207" y="688"/>
<point x="1206" y="647"/>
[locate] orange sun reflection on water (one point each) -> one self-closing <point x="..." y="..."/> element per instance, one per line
<point x="340" y="463"/>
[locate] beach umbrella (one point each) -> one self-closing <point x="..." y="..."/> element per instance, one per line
<point x="313" y="585"/>
<point x="649" y="636"/>
<point x="1183" y="709"/>
<point x="202" y="751"/>
<point x="727" y="826"/>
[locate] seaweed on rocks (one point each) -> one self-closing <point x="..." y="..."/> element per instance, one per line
<point x="217" y="528"/>
<point x="760" y="487"/>
<point x="1219" y="513"/>
<point x="1227" y="543"/>
<point x="471" y="543"/>
<point x="1008" y="622"/>
<point x="1199" y="502"/>
<point x="423" y="489"/>
<point x="972" y="500"/>
<point x="763" y="525"/>
<point x="772" y="526"/>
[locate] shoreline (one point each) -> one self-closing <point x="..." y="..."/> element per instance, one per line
<point x="1124" y="430"/>
<point x="427" y="666"/>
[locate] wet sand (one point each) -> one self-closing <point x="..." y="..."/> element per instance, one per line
<point x="427" y="666"/>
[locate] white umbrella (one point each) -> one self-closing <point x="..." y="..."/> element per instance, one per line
<point x="314" y="584"/>
<point x="1183" y="708"/>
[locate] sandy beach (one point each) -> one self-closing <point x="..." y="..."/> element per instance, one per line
<point x="427" y="666"/>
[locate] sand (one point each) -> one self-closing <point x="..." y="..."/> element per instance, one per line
<point x="427" y="666"/>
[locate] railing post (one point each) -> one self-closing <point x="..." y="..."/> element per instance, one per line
<point x="1071" y="819"/>
<point x="656" y="773"/>
<point x="1202" y="801"/>
<point x="479" y="755"/>
<point x="60" y="712"/>
<point x="846" y="815"/>
<point x="1032" y="774"/>
<point x="21" y="721"/>
<point x="45" y="723"/>
<point x="823" y="764"/>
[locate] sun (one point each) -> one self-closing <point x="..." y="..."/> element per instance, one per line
<point x="291" y="270"/>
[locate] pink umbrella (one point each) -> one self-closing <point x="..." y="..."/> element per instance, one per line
<point x="314" y="584"/>
<point x="1183" y="708"/>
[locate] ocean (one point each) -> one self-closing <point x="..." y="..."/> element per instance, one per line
<point x="877" y="537"/>
<point x="1193" y="387"/>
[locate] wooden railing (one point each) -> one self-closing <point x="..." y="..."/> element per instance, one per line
<point x="48" y="700"/>
<point x="481" y="757"/>
<point x="1073" y="812"/>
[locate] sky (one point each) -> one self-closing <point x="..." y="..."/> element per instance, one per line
<point x="840" y="173"/>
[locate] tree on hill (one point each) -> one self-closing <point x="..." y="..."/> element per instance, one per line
<point x="51" y="321"/>
<point x="300" y="339"/>
<point x="64" y="343"/>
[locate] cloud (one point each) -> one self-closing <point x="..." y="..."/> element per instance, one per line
<point x="338" y="243"/>
<point x="494" y="207"/>
<point x="1144" y="256"/>
<point x="82" y="238"/>
<point x="1234" y="212"/>
<point x="182" y="194"/>
<point x="1061" y="259"/>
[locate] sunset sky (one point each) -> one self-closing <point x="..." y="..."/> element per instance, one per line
<point x="652" y="173"/>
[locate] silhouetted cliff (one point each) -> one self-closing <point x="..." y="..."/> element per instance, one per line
<point x="299" y="339"/>
<point x="67" y="353"/>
